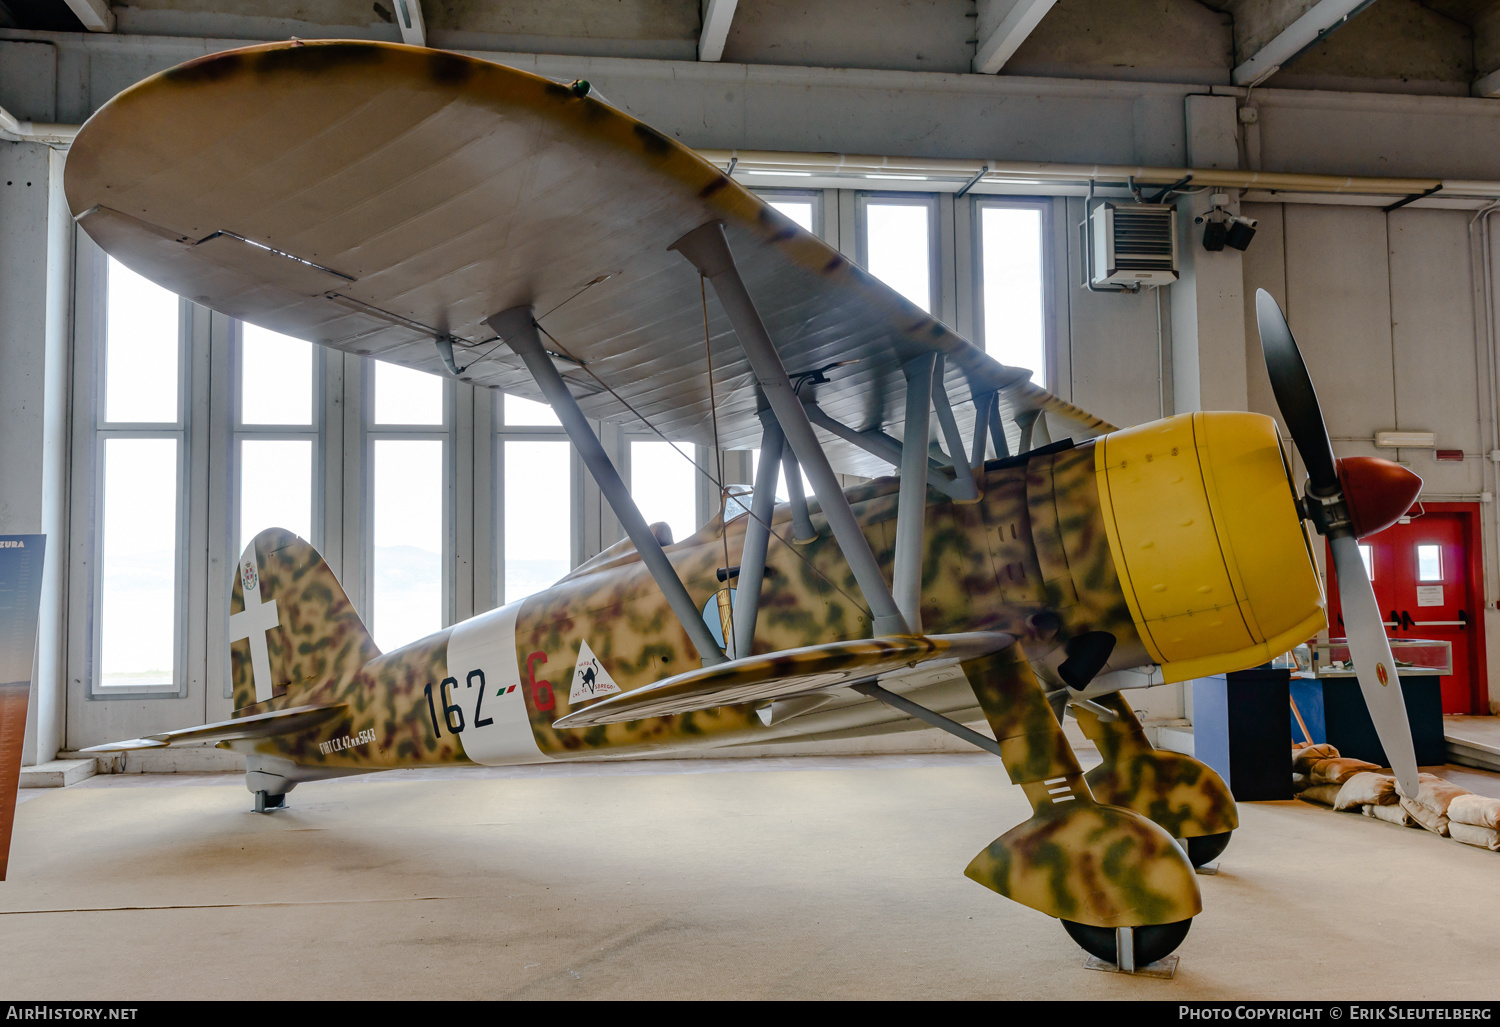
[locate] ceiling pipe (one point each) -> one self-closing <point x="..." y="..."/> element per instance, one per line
<point x="14" y="130"/>
<point x="996" y="172"/>
<point x="749" y="162"/>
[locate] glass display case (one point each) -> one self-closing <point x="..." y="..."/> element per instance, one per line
<point x="1413" y="656"/>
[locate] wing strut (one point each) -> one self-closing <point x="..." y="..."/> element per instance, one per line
<point x="997" y="429"/>
<point x="911" y="502"/>
<point x="757" y="535"/>
<point x="963" y="480"/>
<point x="709" y="251"/>
<point x="802" y="525"/>
<point x="983" y="404"/>
<point x="518" y="328"/>
<point x="876" y="443"/>
<point x="932" y="717"/>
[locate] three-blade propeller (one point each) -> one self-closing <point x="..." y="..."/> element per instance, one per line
<point x="1346" y="500"/>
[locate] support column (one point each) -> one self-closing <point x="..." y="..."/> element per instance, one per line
<point x="1208" y="307"/>
<point x="518" y="328"/>
<point x="36" y="300"/>
<point x="708" y="250"/>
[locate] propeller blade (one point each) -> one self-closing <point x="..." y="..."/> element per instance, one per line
<point x="1295" y="396"/>
<point x="1370" y="651"/>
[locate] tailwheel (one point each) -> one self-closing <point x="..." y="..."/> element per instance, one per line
<point x="1206" y="848"/>
<point x="266" y="802"/>
<point x="1152" y="942"/>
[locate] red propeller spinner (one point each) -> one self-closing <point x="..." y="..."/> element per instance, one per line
<point x="1377" y="492"/>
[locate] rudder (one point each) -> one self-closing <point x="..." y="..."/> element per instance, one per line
<point x="299" y="628"/>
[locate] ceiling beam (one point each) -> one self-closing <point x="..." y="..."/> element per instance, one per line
<point x="95" y="14"/>
<point x="717" y="14"/>
<point x="1003" y="27"/>
<point x="1285" y="42"/>
<point x="409" y="21"/>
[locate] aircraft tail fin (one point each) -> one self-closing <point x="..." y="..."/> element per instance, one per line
<point x="291" y="625"/>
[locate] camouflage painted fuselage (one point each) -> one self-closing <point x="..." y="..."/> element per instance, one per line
<point x="1030" y="559"/>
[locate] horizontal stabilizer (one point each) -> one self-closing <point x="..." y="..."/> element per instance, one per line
<point x="783" y="674"/>
<point x="258" y="725"/>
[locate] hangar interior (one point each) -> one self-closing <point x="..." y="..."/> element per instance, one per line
<point x="929" y="141"/>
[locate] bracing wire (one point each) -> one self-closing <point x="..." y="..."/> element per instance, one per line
<point x="794" y="550"/>
<point x="713" y="410"/>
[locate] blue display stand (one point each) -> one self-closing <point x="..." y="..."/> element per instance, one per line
<point x="1307" y="693"/>
<point x="1335" y="712"/>
<point x="1240" y="729"/>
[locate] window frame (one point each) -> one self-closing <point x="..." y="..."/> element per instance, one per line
<point x="1045" y="205"/>
<point x="240" y="432"/>
<point x="705" y="494"/>
<point x="501" y="434"/>
<point x="814" y="196"/>
<point x="1441" y="573"/>
<point x="931" y="201"/>
<point x="371" y="433"/>
<point x="93" y="430"/>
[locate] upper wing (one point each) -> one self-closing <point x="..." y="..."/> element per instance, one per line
<point x="375" y="197"/>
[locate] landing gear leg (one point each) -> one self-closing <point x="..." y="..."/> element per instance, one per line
<point x="1095" y="867"/>
<point x="1182" y="794"/>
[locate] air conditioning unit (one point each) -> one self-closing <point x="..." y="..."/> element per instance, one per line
<point x="1134" y="243"/>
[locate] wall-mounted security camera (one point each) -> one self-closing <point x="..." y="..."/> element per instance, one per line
<point x="1220" y="227"/>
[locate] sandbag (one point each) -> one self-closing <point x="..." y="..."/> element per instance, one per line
<point x="1434" y="822"/>
<point x="1338" y="769"/>
<point x="1390" y="814"/>
<point x="1323" y="795"/>
<point x="1434" y="794"/>
<point x="1304" y="758"/>
<point x="1476" y="810"/>
<point x="1483" y="837"/>
<point x="1367" y="789"/>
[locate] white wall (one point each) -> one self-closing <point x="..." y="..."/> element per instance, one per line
<point x="1384" y="309"/>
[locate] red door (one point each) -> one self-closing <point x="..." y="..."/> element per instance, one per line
<point x="1426" y="577"/>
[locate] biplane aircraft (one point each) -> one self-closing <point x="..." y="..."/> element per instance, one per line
<point x="470" y="220"/>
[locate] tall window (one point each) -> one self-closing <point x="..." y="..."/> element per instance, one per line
<point x="802" y="207"/>
<point x="536" y="499"/>
<point x="409" y="509"/>
<point x="896" y="243"/>
<point x="1012" y="327"/>
<point x="663" y="483"/>
<point x="276" y="435"/>
<point x="141" y="438"/>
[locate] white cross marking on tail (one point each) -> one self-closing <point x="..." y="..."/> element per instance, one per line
<point x="253" y="622"/>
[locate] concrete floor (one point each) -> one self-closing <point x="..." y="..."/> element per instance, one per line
<point x="834" y="877"/>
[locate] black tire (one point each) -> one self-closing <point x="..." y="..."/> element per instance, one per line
<point x="1152" y="942"/>
<point x="1206" y="848"/>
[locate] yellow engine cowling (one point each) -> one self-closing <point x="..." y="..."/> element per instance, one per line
<point x="1208" y="542"/>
